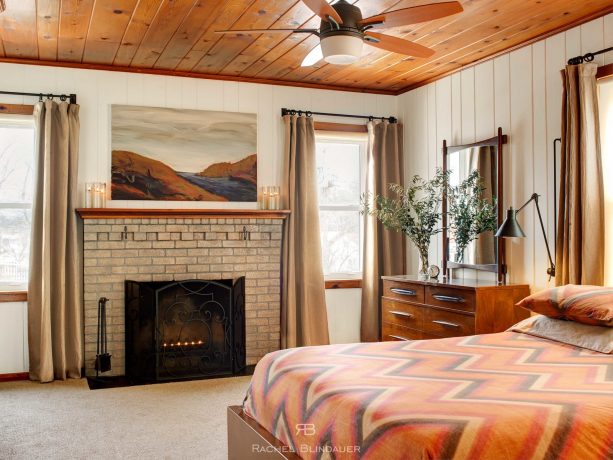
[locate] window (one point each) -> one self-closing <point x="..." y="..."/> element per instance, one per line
<point x="16" y="193"/>
<point x="340" y="182"/>
<point x="605" y="103"/>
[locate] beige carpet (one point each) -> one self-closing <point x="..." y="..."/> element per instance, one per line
<point x="66" y="420"/>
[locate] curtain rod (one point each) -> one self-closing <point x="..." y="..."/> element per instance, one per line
<point x="308" y="113"/>
<point x="589" y="57"/>
<point x="70" y="97"/>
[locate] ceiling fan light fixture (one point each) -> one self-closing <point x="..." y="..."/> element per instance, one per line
<point x="341" y="49"/>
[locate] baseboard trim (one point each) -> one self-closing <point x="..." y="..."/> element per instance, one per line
<point x="14" y="377"/>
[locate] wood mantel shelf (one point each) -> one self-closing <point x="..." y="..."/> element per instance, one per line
<point x="134" y="213"/>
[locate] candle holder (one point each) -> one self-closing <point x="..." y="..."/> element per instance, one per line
<point x="88" y="194"/>
<point x="95" y="195"/>
<point x="269" y="197"/>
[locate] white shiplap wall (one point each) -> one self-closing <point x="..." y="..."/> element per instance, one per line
<point x="520" y="91"/>
<point x="97" y="90"/>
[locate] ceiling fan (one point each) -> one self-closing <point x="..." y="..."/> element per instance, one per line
<point x="343" y="30"/>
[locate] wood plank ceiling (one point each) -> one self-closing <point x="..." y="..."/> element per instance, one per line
<point x="177" y="36"/>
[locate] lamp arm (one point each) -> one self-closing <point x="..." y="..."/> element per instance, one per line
<point x="551" y="271"/>
<point x="534" y="198"/>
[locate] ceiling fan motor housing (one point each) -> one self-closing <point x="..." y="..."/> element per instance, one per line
<point x="342" y="43"/>
<point x="351" y="16"/>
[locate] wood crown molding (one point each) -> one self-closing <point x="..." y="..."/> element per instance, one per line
<point x="13" y="296"/>
<point x="16" y="109"/>
<point x="133" y="213"/>
<point x="204" y="76"/>
<point x="344" y="284"/>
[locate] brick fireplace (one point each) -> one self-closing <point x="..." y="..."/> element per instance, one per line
<point x="180" y="245"/>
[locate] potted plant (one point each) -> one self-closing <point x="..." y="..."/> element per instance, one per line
<point x="413" y="210"/>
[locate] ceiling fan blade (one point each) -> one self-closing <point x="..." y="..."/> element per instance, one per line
<point x="322" y="9"/>
<point x="269" y="31"/>
<point x="314" y="56"/>
<point x="413" y="15"/>
<point x="397" y="45"/>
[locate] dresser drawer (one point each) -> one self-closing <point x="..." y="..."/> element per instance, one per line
<point x="401" y="290"/>
<point x="448" y="324"/>
<point x="396" y="332"/>
<point x="446" y="297"/>
<point x="403" y="314"/>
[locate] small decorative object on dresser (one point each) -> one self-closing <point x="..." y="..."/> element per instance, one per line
<point x="413" y="309"/>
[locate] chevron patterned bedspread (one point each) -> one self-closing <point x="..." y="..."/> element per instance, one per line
<point x="497" y="396"/>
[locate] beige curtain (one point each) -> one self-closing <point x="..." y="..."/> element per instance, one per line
<point x="384" y="250"/>
<point x="54" y="293"/>
<point x="304" y="319"/>
<point x="580" y="239"/>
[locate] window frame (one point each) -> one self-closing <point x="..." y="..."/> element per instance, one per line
<point x="351" y="135"/>
<point x="10" y="293"/>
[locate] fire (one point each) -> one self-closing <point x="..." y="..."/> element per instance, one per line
<point x="187" y="343"/>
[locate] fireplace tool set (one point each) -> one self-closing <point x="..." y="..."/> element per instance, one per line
<point x="103" y="358"/>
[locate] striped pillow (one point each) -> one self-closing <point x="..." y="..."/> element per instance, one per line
<point x="583" y="304"/>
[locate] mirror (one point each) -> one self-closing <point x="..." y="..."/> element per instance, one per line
<point x="460" y="161"/>
<point x="481" y="251"/>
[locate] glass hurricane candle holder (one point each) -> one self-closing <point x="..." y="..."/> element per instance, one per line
<point x="264" y="197"/>
<point x="88" y="195"/>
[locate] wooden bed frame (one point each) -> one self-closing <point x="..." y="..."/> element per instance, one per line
<point x="248" y="440"/>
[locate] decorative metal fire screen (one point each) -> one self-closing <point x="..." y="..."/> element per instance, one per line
<point x="184" y="329"/>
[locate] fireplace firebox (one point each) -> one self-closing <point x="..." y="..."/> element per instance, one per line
<point x="179" y="330"/>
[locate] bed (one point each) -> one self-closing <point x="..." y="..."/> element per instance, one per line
<point x="511" y="395"/>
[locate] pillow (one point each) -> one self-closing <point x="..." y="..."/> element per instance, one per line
<point x="596" y="338"/>
<point x="583" y="304"/>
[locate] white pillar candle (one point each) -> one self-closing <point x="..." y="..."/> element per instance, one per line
<point x="103" y="195"/>
<point x="88" y="195"/>
<point x="97" y="196"/>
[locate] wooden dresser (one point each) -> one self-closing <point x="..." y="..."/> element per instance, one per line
<point x="412" y="309"/>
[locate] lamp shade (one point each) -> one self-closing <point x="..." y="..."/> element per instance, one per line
<point x="341" y="49"/>
<point x="510" y="228"/>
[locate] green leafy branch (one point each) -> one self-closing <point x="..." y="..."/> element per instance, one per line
<point x="469" y="213"/>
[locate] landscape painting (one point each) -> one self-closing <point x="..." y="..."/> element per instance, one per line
<point x="183" y="155"/>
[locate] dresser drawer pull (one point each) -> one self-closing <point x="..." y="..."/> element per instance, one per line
<point x="448" y="298"/>
<point x="401" y="313"/>
<point x="404" y="291"/>
<point x="399" y="337"/>
<point x="445" y="323"/>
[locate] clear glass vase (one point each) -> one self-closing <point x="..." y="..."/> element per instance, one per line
<point x="423" y="266"/>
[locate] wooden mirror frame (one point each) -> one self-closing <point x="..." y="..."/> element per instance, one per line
<point x="499" y="267"/>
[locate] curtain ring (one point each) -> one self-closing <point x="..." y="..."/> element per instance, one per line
<point x="40" y="97"/>
<point x="589" y="57"/>
<point x="371" y="118"/>
<point x="308" y="113"/>
<point x="49" y="97"/>
<point x="63" y="98"/>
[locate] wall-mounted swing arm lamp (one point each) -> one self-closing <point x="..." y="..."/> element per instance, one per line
<point x="510" y="228"/>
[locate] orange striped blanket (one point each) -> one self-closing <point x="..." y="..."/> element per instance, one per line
<point x="497" y="396"/>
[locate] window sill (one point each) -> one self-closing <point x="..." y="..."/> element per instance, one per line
<point x="355" y="283"/>
<point x="13" y="296"/>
